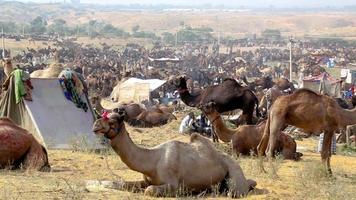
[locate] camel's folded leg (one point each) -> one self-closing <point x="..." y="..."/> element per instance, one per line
<point x="133" y="186"/>
<point x="161" y="190"/>
<point x="238" y="185"/>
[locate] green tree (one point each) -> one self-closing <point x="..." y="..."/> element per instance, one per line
<point x="271" y="34"/>
<point x="59" y="26"/>
<point x="135" y="28"/>
<point x="168" y="38"/>
<point x="38" y="25"/>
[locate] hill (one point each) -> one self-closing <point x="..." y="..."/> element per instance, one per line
<point x="229" y="23"/>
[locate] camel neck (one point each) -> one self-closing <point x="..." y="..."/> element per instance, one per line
<point x="348" y="117"/>
<point x="136" y="158"/>
<point x="225" y="134"/>
<point x="188" y="99"/>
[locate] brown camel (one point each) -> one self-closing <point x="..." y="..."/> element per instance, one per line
<point x="133" y="110"/>
<point x="8" y="68"/>
<point x="246" y="138"/>
<point x="152" y="119"/>
<point x="309" y="111"/>
<point x="228" y="96"/>
<point x="195" y="166"/>
<point x="19" y="149"/>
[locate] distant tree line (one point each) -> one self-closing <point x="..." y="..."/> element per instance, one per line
<point x="94" y="28"/>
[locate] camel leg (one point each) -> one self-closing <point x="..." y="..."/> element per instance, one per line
<point x="161" y="190"/>
<point x="214" y="135"/>
<point x="238" y="185"/>
<point x="262" y="146"/>
<point x="326" y="150"/>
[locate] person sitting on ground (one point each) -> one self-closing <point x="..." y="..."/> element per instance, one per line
<point x="186" y="125"/>
<point x="202" y="125"/>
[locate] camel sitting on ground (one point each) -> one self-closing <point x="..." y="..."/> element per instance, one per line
<point x="19" y="149"/>
<point x="195" y="166"/>
<point x="140" y="117"/>
<point x="246" y="138"/>
<point x="52" y="71"/>
<point x="154" y="118"/>
<point x="309" y="111"/>
<point x="228" y="96"/>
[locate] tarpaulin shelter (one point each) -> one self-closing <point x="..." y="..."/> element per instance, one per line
<point x="53" y="120"/>
<point x="135" y="90"/>
<point x="324" y="84"/>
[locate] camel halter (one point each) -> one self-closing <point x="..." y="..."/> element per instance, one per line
<point x="212" y="122"/>
<point x="116" y="131"/>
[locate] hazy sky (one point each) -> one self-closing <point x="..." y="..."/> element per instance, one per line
<point x="254" y="3"/>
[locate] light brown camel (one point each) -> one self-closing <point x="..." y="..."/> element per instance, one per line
<point x="19" y="149"/>
<point x="51" y="72"/>
<point x="167" y="167"/>
<point x="8" y="68"/>
<point x="309" y="111"/>
<point x="246" y="138"/>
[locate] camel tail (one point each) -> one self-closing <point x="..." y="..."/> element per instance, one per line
<point x="262" y="146"/>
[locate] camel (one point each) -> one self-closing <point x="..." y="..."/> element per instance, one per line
<point x="228" y="96"/>
<point x="153" y="118"/>
<point x="51" y="72"/>
<point x="140" y="117"/>
<point x="133" y="110"/>
<point x="19" y="149"/>
<point x="8" y="68"/>
<point x="309" y="111"/>
<point x="195" y="166"/>
<point x="266" y="82"/>
<point x="246" y="138"/>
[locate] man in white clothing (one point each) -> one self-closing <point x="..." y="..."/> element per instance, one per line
<point x="186" y="124"/>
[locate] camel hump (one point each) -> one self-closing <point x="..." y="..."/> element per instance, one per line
<point x="230" y="81"/>
<point x="305" y="90"/>
<point x="198" y="138"/>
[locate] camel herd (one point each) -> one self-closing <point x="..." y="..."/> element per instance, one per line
<point x="268" y="107"/>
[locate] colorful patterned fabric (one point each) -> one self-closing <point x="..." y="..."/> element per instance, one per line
<point x="68" y="80"/>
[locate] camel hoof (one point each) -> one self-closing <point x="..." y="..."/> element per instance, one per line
<point x="252" y="184"/>
<point x="150" y="191"/>
<point x="330" y="173"/>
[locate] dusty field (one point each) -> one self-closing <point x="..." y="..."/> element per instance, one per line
<point x="296" y="180"/>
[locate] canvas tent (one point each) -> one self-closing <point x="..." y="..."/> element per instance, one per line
<point x="324" y="84"/>
<point x="54" y="121"/>
<point x="135" y="90"/>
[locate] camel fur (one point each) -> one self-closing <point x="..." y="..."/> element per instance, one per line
<point x="309" y="111"/>
<point x="195" y="166"/>
<point x="19" y="149"/>
<point x="52" y="71"/>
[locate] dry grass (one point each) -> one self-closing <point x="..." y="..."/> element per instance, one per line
<point x="296" y="180"/>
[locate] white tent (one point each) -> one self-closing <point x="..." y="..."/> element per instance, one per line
<point x="55" y="121"/>
<point x="135" y="87"/>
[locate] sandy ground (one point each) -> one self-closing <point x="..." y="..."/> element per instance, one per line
<point x="71" y="170"/>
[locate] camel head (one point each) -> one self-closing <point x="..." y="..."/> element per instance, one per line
<point x="179" y="81"/>
<point x="110" y="126"/>
<point x="208" y="108"/>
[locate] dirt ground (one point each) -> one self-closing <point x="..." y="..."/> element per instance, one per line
<point x="71" y="170"/>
